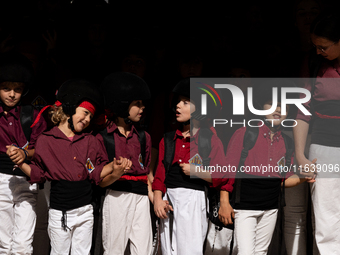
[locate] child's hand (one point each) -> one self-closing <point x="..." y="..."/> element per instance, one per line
<point x="307" y="168"/>
<point x="161" y="208"/>
<point x="311" y="180"/>
<point x="226" y="213"/>
<point x="185" y="168"/>
<point x="121" y="166"/>
<point x="16" y="154"/>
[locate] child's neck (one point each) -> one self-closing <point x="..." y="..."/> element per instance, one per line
<point x="6" y="108"/>
<point x="123" y="128"/>
<point x="65" y="128"/>
<point x="186" y="131"/>
<point x="186" y="128"/>
<point x="273" y="130"/>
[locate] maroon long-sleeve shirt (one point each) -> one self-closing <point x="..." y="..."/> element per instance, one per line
<point x="129" y="147"/>
<point x="326" y="85"/>
<point x="58" y="158"/>
<point x="186" y="151"/>
<point x="265" y="153"/>
<point x="11" y="131"/>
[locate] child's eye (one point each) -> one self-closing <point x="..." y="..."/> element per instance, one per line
<point x="18" y="90"/>
<point x="88" y="113"/>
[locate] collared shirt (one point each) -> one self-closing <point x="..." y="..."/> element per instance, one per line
<point x="58" y="158"/>
<point x="11" y="131"/>
<point x="265" y="154"/>
<point x="186" y="151"/>
<point x="129" y="147"/>
<point x="325" y="89"/>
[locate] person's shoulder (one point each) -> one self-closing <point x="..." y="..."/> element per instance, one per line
<point x="49" y="131"/>
<point x="238" y="136"/>
<point x="45" y="137"/>
<point x="240" y="132"/>
<point x="90" y="136"/>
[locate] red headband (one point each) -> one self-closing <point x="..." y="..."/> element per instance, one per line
<point x="88" y="106"/>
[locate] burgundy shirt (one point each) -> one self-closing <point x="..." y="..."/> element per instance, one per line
<point x="265" y="152"/>
<point x="129" y="147"/>
<point x="186" y="150"/>
<point x="11" y="131"/>
<point x="325" y="89"/>
<point x="58" y="158"/>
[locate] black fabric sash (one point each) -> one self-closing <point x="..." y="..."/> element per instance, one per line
<point x="177" y="179"/>
<point x="259" y="194"/>
<point x="136" y="187"/>
<point x="326" y="131"/>
<point x="68" y="195"/>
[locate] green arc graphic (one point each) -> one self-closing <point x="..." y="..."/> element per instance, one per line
<point x="209" y="95"/>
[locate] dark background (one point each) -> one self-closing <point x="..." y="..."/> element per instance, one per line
<point x="90" y="39"/>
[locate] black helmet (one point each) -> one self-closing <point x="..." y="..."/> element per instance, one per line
<point x="182" y="88"/>
<point x="193" y="89"/>
<point x="15" y="67"/>
<point x="72" y="92"/>
<point x="120" y="89"/>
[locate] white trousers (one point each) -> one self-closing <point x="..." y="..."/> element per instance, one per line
<point x="190" y="223"/>
<point x="326" y="201"/>
<point x="254" y="230"/>
<point x="78" y="236"/>
<point x="218" y="242"/>
<point x="17" y="214"/>
<point x="126" y="217"/>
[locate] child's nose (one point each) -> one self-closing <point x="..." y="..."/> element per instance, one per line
<point x="88" y="118"/>
<point x="278" y="108"/>
<point x="12" y="93"/>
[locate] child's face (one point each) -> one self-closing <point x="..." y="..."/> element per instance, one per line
<point x="135" y="110"/>
<point x="276" y="115"/>
<point x="81" y="119"/>
<point x="184" y="108"/>
<point x="10" y="93"/>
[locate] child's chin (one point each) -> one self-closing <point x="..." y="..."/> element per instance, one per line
<point x="11" y="105"/>
<point x="182" y="120"/>
<point x="78" y="130"/>
<point x="136" y="119"/>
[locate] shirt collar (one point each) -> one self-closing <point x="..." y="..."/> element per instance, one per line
<point x="265" y="131"/>
<point x="112" y="127"/>
<point x="179" y="134"/>
<point x="15" y="111"/>
<point x="56" y="132"/>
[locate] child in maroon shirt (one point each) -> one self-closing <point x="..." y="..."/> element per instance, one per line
<point x="261" y="180"/>
<point x="183" y="230"/>
<point x="126" y="207"/>
<point x="71" y="159"/>
<point x="17" y="196"/>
